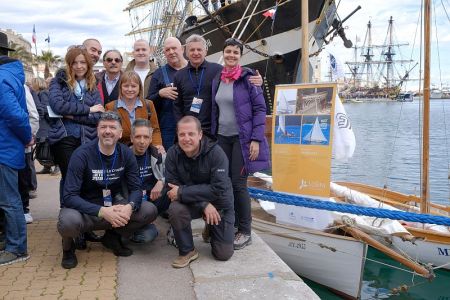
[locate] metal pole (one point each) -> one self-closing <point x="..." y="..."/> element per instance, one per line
<point x="305" y="41"/>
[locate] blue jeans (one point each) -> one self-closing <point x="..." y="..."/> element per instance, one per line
<point x="11" y="204"/>
<point x="146" y="234"/>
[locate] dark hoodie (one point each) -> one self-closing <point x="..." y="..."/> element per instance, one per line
<point x="201" y="179"/>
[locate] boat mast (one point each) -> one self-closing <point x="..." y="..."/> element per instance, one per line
<point x="305" y="41"/>
<point x="426" y="108"/>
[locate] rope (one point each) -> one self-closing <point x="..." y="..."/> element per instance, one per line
<point x="347" y="208"/>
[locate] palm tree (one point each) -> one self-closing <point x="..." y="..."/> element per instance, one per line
<point x="20" y="53"/>
<point x="49" y="60"/>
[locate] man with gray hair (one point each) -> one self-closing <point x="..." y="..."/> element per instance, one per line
<point x="193" y="83"/>
<point x="107" y="81"/>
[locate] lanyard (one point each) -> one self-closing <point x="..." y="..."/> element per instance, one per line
<point x="197" y="86"/>
<point x="141" y="174"/>
<point x="105" y="173"/>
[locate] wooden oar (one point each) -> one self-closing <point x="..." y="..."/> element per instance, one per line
<point x="358" y="234"/>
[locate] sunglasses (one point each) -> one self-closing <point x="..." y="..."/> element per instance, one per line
<point x="117" y="60"/>
<point x="233" y="40"/>
<point x="109" y="115"/>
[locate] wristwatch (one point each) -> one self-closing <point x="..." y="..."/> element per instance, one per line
<point x="133" y="205"/>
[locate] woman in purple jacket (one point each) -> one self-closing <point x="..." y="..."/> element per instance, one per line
<point x="73" y="96"/>
<point x="238" y="120"/>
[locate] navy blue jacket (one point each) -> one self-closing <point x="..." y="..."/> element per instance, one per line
<point x="187" y="91"/>
<point x="201" y="179"/>
<point x="15" y="130"/>
<point x="64" y="102"/>
<point x="84" y="180"/>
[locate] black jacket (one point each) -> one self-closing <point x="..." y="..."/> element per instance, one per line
<point x="203" y="178"/>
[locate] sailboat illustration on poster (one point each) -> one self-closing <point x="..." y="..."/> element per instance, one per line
<point x="315" y="135"/>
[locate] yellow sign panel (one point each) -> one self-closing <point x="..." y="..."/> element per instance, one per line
<point x="302" y="127"/>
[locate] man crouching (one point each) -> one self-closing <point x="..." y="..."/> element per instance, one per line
<point x="102" y="192"/>
<point x="197" y="177"/>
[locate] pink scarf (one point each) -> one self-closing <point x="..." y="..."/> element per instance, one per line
<point x="231" y="74"/>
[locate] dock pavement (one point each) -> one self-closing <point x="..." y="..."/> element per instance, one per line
<point x="254" y="272"/>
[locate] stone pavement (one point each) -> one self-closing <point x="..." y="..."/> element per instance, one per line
<point x="253" y="273"/>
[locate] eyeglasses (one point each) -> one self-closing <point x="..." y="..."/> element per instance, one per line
<point x="109" y="116"/>
<point x="117" y="60"/>
<point x="233" y="40"/>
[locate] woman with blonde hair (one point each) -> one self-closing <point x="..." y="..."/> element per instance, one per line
<point x="131" y="105"/>
<point x="75" y="100"/>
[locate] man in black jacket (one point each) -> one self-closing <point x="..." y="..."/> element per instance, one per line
<point x="197" y="177"/>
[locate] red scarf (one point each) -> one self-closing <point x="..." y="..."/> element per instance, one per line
<point x="231" y="74"/>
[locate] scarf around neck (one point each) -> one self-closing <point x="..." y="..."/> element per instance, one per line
<point x="231" y="74"/>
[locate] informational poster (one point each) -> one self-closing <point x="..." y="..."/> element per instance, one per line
<point x="302" y="127"/>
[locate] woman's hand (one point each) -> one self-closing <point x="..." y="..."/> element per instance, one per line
<point x="254" y="150"/>
<point x="96" y="108"/>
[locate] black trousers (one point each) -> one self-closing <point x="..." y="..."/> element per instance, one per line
<point x="25" y="182"/>
<point x="222" y="235"/>
<point x="62" y="151"/>
<point x="242" y="206"/>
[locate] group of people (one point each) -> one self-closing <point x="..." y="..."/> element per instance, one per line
<point x="180" y="139"/>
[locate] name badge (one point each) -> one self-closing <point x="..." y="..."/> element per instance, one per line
<point x="107" y="199"/>
<point x="144" y="195"/>
<point x="196" y="105"/>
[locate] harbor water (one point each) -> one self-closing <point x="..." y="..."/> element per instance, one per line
<point x="388" y="147"/>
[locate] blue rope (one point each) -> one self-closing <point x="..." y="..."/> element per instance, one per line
<point x="347" y="208"/>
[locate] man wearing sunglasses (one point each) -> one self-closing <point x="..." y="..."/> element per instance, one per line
<point x="108" y="79"/>
<point x="102" y="192"/>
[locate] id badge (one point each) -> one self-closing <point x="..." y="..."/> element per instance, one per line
<point x="169" y="84"/>
<point x="196" y="105"/>
<point x="107" y="199"/>
<point x="144" y="195"/>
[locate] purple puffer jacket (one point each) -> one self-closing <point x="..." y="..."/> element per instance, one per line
<point x="250" y="109"/>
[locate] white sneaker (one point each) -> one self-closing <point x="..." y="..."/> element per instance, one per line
<point x="28" y="218"/>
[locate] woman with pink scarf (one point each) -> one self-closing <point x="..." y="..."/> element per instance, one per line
<point x="238" y="121"/>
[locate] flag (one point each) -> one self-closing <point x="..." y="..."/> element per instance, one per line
<point x="33" y="37"/>
<point x="270" y="13"/>
<point x="48" y="39"/>
<point x="337" y="71"/>
<point x="344" y="142"/>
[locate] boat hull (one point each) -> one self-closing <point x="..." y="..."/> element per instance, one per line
<point x="310" y="254"/>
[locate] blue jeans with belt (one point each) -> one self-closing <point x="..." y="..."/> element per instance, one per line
<point x="11" y="204"/>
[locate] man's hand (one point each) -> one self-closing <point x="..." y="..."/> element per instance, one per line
<point x="156" y="190"/>
<point x="254" y="150"/>
<point x="96" y="108"/>
<point x="212" y="216"/>
<point x="115" y="216"/>
<point x="256" y="79"/>
<point x="160" y="149"/>
<point x="169" y="93"/>
<point x="173" y="192"/>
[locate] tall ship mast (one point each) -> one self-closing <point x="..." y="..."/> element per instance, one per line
<point x="375" y="72"/>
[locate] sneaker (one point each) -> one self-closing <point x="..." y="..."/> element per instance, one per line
<point x="113" y="241"/>
<point x="7" y="258"/>
<point x="69" y="259"/>
<point x="33" y="194"/>
<point x="185" y="260"/>
<point x="206" y="236"/>
<point x="28" y="218"/>
<point x="241" y="240"/>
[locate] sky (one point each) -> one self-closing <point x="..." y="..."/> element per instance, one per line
<point x="70" y="22"/>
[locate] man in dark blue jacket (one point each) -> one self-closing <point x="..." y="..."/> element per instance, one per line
<point x="102" y="192"/>
<point x="197" y="177"/>
<point x="15" y="135"/>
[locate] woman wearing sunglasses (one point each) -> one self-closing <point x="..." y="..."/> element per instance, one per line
<point x="238" y="120"/>
<point x="76" y="104"/>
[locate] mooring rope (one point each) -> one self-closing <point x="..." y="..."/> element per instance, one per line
<point x="347" y="208"/>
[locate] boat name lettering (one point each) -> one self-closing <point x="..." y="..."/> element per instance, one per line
<point x="299" y="245"/>
<point x="443" y="251"/>
<point x="311" y="184"/>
